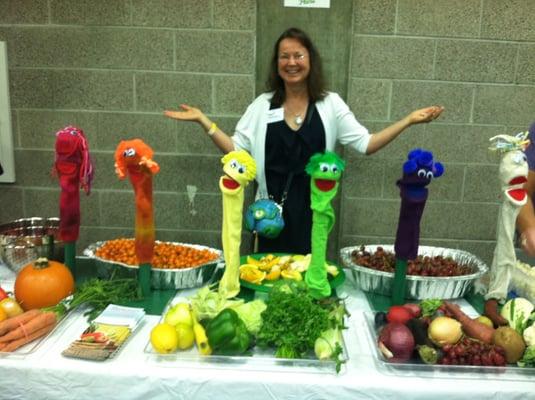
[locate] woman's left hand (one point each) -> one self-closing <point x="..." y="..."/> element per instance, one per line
<point x="425" y="114"/>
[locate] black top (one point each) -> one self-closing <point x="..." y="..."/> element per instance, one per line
<point x="286" y="151"/>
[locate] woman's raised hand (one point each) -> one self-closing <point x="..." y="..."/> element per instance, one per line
<point x="425" y="114"/>
<point x="187" y="114"/>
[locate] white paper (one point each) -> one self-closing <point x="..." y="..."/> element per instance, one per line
<point x="308" y="3"/>
<point x="275" y="115"/>
<point x="121" y="315"/>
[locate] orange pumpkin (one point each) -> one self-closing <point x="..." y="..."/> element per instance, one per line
<point x="43" y="283"/>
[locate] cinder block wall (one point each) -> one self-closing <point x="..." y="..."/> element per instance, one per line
<point x="112" y="67"/>
<point x="475" y="57"/>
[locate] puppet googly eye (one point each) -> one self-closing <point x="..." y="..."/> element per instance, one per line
<point x="129" y="152"/>
<point x="429" y="175"/>
<point x="237" y="166"/>
<point x="519" y="158"/>
<point x="334" y="169"/>
<point x="74" y="133"/>
<point x="422" y="173"/>
<point x="324" y="167"/>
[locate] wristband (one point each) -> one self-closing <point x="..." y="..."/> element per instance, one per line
<point x="212" y="130"/>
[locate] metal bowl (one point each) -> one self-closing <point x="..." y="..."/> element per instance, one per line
<point x="418" y="287"/>
<point x="161" y="278"/>
<point x="25" y="240"/>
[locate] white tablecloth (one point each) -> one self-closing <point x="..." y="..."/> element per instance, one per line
<point x="134" y="374"/>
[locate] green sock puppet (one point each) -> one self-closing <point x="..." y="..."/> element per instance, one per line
<point x="325" y="171"/>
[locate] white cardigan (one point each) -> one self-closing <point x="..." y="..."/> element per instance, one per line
<point x="339" y="122"/>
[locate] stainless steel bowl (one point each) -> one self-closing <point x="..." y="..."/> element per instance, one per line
<point x="418" y="287"/>
<point x="161" y="278"/>
<point x="24" y="240"/>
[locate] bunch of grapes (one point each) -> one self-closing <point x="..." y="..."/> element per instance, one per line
<point x="382" y="260"/>
<point x="472" y="352"/>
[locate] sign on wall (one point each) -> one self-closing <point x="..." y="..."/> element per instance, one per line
<point x="308" y="3"/>
<point x="7" y="160"/>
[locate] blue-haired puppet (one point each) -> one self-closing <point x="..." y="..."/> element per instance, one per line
<point x="418" y="171"/>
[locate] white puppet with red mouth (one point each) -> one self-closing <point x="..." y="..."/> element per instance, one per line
<point x="513" y="174"/>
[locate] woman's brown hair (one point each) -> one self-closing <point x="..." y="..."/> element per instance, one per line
<point x="315" y="79"/>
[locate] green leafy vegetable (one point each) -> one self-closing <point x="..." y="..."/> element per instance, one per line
<point x="528" y="359"/>
<point x="251" y="314"/>
<point x="292" y="320"/>
<point x="430" y="306"/>
<point x="207" y="302"/>
<point x="98" y="293"/>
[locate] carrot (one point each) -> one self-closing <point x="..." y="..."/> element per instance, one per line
<point x="14" y="322"/>
<point x="15" y="344"/>
<point x="491" y="311"/>
<point x="33" y="325"/>
<point x="472" y="328"/>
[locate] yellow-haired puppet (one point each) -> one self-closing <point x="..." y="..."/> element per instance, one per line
<point x="240" y="169"/>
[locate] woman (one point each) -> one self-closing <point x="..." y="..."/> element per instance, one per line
<point x="284" y="127"/>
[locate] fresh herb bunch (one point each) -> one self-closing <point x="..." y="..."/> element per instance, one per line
<point x="292" y="320"/>
<point x="97" y="294"/>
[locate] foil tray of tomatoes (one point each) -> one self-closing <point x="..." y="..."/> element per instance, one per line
<point x="165" y="277"/>
<point x="438" y="273"/>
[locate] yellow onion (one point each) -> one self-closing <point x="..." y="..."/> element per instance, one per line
<point x="444" y="330"/>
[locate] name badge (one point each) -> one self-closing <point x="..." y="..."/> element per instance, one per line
<point x="275" y="115"/>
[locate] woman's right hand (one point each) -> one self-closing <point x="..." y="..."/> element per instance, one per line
<point x="188" y="114"/>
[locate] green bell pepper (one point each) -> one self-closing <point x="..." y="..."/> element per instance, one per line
<point x="227" y="334"/>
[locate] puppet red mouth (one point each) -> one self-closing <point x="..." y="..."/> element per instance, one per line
<point x="517" y="194"/>
<point x="230" y="183"/>
<point x="325" y="184"/>
<point x="518" y="180"/>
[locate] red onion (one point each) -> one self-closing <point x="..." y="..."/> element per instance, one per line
<point x="396" y="342"/>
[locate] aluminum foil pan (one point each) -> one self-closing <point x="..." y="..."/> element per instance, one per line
<point x="418" y="287"/>
<point x="161" y="278"/>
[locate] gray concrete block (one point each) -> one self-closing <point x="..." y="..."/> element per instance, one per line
<point x="458" y="18"/>
<point x="526" y="64"/>
<point x="90" y="12"/>
<point x="410" y="95"/>
<point x="38" y="128"/>
<point x="374" y="16"/>
<point x="504" y="105"/>
<point x="215" y="51"/>
<point x="156" y="92"/>
<point x="232" y="94"/>
<point x="235" y="14"/>
<point x="482" y="184"/>
<point x="172" y="13"/>
<point x="154" y="129"/>
<point x="508" y="20"/>
<point x="475" y="61"/>
<point x="388" y="57"/>
<point x="369" y="99"/>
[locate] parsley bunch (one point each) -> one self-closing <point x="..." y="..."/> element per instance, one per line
<point x="292" y="320"/>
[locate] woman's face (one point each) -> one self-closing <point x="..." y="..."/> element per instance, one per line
<point x="293" y="62"/>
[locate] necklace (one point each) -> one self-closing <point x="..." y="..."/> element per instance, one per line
<point x="298" y="120"/>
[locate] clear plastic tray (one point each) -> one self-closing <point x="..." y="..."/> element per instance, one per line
<point x="34" y="345"/>
<point x="420" y="369"/>
<point x="260" y="360"/>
